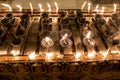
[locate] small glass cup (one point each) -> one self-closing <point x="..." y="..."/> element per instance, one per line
<point x="47" y="42"/>
<point x="66" y="42"/>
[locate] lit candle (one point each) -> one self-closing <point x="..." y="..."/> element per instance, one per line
<point x="91" y="54"/>
<point x="49" y="7"/>
<point x="8" y="6"/>
<point x="89" y="7"/>
<point x="32" y="55"/>
<point x="41" y="9"/>
<point x="78" y="55"/>
<point x="49" y="56"/>
<point x="85" y="2"/>
<point x="31" y="7"/>
<point x="15" y="52"/>
<point x="115" y="8"/>
<point x="65" y="42"/>
<point x="56" y="6"/>
<point x="96" y="8"/>
<point x="104" y="54"/>
<point x="103" y="10"/>
<point x="47" y="42"/>
<point x="20" y="7"/>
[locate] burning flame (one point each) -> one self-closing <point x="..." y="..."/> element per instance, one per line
<point x="85" y="2"/>
<point x="32" y="55"/>
<point x="91" y="54"/>
<point x="31" y="7"/>
<point x="15" y="52"/>
<point x="20" y="7"/>
<point x="41" y="9"/>
<point x="89" y="7"/>
<point x="88" y="34"/>
<point x="65" y="36"/>
<point x="103" y="10"/>
<point x="104" y="54"/>
<point x="115" y="7"/>
<point x="7" y="5"/>
<point x="49" y="56"/>
<point x="49" y="7"/>
<point x="56" y="6"/>
<point x="47" y="39"/>
<point x="96" y="8"/>
<point x="78" y="55"/>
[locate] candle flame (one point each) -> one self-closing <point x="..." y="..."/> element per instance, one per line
<point x="96" y="8"/>
<point x="31" y="7"/>
<point x="88" y="34"/>
<point x="49" y="7"/>
<point x="56" y="6"/>
<point x="89" y="7"/>
<point x="115" y="7"/>
<point x="78" y="55"/>
<point x="85" y="2"/>
<point x="7" y="5"/>
<point x="47" y="39"/>
<point x="91" y="54"/>
<point x="32" y="55"/>
<point x="65" y="36"/>
<point x="104" y="54"/>
<point x="41" y="9"/>
<point x="15" y="52"/>
<point x="103" y="10"/>
<point x="20" y="7"/>
<point x="49" y="56"/>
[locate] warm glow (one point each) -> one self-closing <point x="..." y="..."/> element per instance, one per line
<point x="88" y="34"/>
<point x="7" y="5"/>
<point x="41" y="9"/>
<point x="65" y="36"/>
<point x="15" y="52"/>
<point x="56" y="6"/>
<point x="104" y="54"/>
<point x="31" y="7"/>
<point x="47" y="39"/>
<point x="91" y="55"/>
<point x="89" y="7"/>
<point x="103" y="10"/>
<point x="20" y="7"/>
<point x="115" y="7"/>
<point x="78" y="55"/>
<point x="32" y="55"/>
<point x="49" y="7"/>
<point x="85" y="2"/>
<point x="96" y="8"/>
<point x="49" y="56"/>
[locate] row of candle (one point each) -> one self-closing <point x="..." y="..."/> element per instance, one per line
<point x="31" y="7"/>
<point x="89" y="5"/>
<point x="65" y="34"/>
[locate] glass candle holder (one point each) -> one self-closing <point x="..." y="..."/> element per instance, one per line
<point x="10" y="17"/>
<point x="47" y="42"/>
<point x="89" y="42"/>
<point x="65" y="22"/>
<point x="25" y="20"/>
<point x="65" y="32"/>
<point x="16" y="42"/>
<point x="20" y="32"/>
<point x="66" y="42"/>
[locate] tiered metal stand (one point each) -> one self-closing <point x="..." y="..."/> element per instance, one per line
<point x="25" y="56"/>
